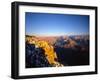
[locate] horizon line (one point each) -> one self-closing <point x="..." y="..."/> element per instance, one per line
<point x="57" y="35"/>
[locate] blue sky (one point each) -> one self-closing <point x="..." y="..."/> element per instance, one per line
<point x="56" y="24"/>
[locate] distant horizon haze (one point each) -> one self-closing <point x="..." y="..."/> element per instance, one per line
<point x="58" y="35"/>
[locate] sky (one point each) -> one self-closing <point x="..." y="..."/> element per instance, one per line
<point x="47" y="24"/>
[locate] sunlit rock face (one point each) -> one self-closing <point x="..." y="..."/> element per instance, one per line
<point x="49" y="53"/>
<point x="35" y="57"/>
<point x="57" y="51"/>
